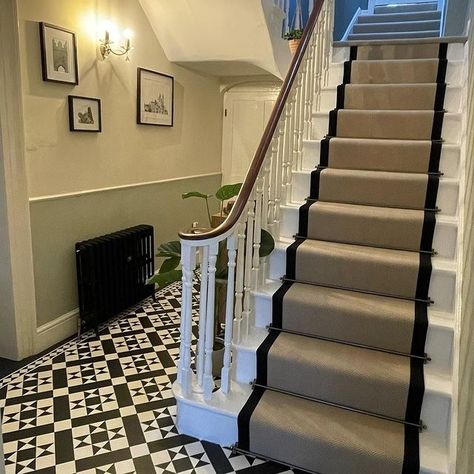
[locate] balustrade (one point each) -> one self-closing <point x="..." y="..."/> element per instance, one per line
<point x="267" y="187"/>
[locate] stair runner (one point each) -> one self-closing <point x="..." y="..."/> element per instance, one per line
<point x="340" y="381"/>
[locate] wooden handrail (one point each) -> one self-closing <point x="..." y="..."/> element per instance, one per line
<point x="257" y="162"/>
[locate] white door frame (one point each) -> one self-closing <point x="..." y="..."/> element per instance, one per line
<point x="17" y="290"/>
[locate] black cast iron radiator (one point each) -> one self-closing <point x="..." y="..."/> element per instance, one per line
<point x="112" y="271"/>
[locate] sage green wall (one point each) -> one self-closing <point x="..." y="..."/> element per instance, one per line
<point x="58" y="224"/>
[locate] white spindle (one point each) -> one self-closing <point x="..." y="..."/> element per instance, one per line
<point x="204" y="254"/>
<point x="247" y="311"/>
<point x="188" y="254"/>
<point x="279" y="172"/>
<point x="229" y="313"/>
<point x="272" y="183"/>
<point x="239" y="282"/>
<point x="257" y="233"/>
<point x="208" y="381"/>
<point x="272" y="188"/>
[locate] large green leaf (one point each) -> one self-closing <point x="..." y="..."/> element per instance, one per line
<point x="195" y="194"/>
<point x="228" y="191"/>
<point x="169" y="264"/>
<point x="170" y="249"/>
<point x="267" y="244"/>
<point x="165" y="279"/>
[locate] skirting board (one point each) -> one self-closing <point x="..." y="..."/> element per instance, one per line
<point x="56" y="331"/>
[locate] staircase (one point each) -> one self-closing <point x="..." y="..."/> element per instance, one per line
<point x="340" y="352"/>
<point x="397" y="21"/>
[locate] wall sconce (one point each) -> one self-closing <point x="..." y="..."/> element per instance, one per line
<point x="108" y="45"/>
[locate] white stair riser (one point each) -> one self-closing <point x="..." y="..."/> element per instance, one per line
<point x="442" y="283"/>
<point x="436" y="406"/>
<point x="444" y="239"/>
<point x="449" y="162"/>
<point x="452" y="100"/>
<point x="455" y="53"/>
<point x="451" y="133"/>
<point x="447" y="192"/>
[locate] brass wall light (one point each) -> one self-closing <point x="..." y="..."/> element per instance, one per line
<point x="108" y="44"/>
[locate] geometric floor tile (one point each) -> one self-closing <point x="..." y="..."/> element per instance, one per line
<point x="105" y="405"/>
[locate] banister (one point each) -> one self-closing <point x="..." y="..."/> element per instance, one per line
<point x="257" y="162"/>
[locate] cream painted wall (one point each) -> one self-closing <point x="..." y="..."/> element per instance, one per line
<point x="60" y="161"/>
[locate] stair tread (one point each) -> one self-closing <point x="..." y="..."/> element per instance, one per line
<point x="393" y="35"/>
<point x="396" y="26"/>
<point x="373" y="188"/>
<point x="366" y="225"/>
<point x="384" y="17"/>
<point x="420" y="96"/>
<point x="379" y="381"/>
<point x="391" y="124"/>
<point x="317" y="436"/>
<point x="378" y="270"/>
<point x="381" y="155"/>
<point x="405" y="8"/>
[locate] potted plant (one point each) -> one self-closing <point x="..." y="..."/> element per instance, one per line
<point x="294" y="39"/>
<point x="170" y="273"/>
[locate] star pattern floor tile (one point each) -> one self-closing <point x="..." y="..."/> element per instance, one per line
<point x="104" y="405"/>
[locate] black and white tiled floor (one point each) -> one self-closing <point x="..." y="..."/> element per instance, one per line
<point x="104" y="405"/>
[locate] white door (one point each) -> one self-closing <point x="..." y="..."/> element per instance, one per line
<point x="246" y="113"/>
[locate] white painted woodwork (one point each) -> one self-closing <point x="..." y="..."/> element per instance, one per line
<point x="221" y="38"/>
<point x="281" y="187"/>
<point x="17" y="293"/>
<point x="246" y="113"/>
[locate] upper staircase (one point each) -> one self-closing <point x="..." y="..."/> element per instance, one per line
<point x="340" y="348"/>
<point x="397" y="21"/>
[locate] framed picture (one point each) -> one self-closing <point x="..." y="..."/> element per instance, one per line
<point x="155" y="98"/>
<point x="58" y="54"/>
<point x="84" y="114"/>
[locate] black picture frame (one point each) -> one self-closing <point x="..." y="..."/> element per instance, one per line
<point x="74" y="125"/>
<point x="164" y="78"/>
<point x="47" y="68"/>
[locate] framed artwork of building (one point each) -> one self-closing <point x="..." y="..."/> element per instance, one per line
<point x="155" y="98"/>
<point x="58" y="54"/>
<point x="85" y="114"/>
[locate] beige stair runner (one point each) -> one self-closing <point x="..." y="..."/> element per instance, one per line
<point x="340" y="384"/>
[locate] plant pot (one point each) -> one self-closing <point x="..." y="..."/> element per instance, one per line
<point x="293" y="44"/>
<point x="217" y="359"/>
